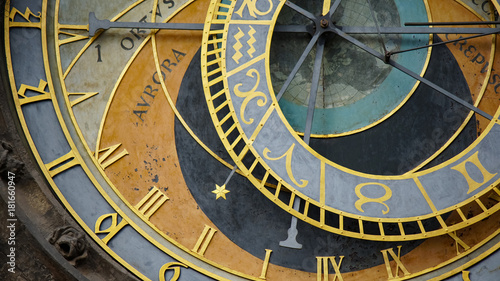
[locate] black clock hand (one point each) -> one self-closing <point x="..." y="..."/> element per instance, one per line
<point x="95" y="25"/>
<point x="451" y="23"/>
<point x="320" y="47"/>
<point x="441" y="43"/>
<point x="298" y="65"/>
<point x="377" y="26"/>
<point x="410" y="73"/>
<point x="417" y="30"/>
<point x="302" y="11"/>
<point x="333" y="8"/>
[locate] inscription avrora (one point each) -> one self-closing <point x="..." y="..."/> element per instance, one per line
<point x="149" y="93"/>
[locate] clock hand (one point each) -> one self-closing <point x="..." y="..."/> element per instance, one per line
<point x="302" y="11"/>
<point x="377" y="26"/>
<point x="416" y="76"/>
<point x="95" y="25"/>
<point x="417" y="30"/>
<point x="442" y="43"/>
<point x="333" y="8"/>
<point x="452" y="23"/>
<point x="298" y="65"/>
<point x="314" y="88"/>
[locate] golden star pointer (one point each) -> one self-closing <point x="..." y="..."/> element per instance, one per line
<point x="220" y="191"/>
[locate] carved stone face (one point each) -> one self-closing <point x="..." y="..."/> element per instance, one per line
<point x="70" y="243"/>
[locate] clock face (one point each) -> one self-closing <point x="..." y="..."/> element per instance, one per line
<point x="267" y="139"/>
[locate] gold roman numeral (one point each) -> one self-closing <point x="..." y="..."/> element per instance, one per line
<point x="103" y="160"/>
<point x="204" y="240"/>
<point x="265" y="265"/>
<point x="323" y="268"/>
<point x="397" y="259"/>
<point x="62" y="164"/>
<point x="113" y="229"/>
<point x="70" y="37"/>
<point x="82" y="97"/>
<point x="151" y="202"/>
<point x="458" y="242"/>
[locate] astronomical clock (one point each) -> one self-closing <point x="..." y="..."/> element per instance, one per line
<point x="268" y="139"/>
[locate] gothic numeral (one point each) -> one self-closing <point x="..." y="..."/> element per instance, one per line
<point x="113" y="229"/>
<point x="40" y="89"/>
<point x="26" y="16"/>
<point x="62" y="164"/>
<point x="175" y="266"/>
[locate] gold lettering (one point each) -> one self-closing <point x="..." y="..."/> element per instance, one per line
<point x="473" y="185"/>
<point x="266" y="264"/>
<point x="397" y="259"/>
<point x="175" y="266"/>
<point x="465" y="275"/>
<point x="113" y="229"/>
<point x="458" y="242"/>
<point x="363" y="199"/>
<point x="323" y="268"/>
<point x="288" y="155"/>
<point x="205" y="239"/>
<point x="110" y="150"/>
<point x="262" y="101"/>
<point x="252" y="8"/>
<point x="72" y="37"/>
<point x="62" y="164"/>
<point x="40" y="89"/>
<point x="151" y="202"/>
<point x="26" y="15"/>
<point x="83" y="97"/>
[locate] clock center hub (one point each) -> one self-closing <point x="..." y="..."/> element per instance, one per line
<point x="324" y="23"/>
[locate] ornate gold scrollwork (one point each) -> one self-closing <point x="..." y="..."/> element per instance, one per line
<point x="252" y="8"/>
<point x="250" y="95"/>
<point x="288" y="155"/>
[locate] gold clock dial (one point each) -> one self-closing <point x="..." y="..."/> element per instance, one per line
<point x="121" y="123"/>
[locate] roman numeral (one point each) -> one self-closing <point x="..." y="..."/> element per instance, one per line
<point x="71" y="37"/>
<point x="103" y="160"/>
<point x="458" y="243"/>
<point x="265" y="265"/>
<point x="82" y="97"/>
<point x="323" y="268"/>
<point x="204" y="240"/>
<point x="399" y="264"/>
<point x="151" y="202"/>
